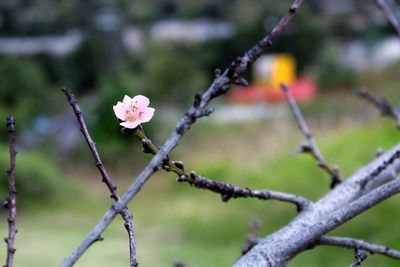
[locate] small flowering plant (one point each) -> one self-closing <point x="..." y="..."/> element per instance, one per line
<point x="133" y="111"/>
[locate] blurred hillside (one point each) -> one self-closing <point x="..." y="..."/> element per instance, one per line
<point x="167" y="50"/>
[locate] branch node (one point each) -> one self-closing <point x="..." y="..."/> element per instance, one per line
<point x="10" y="124"/>
<point x="225" y="197"/>
<point x="241" y="81"/>
<point x="204" y="112"/>
<point x="217" y="73"/>
<point x="197" y="100"/>
<point x="178" y="164"/>
<point x="193" y="176"/>
<point x="359" y="257"/>
<point x="6" y="203"/>
<point x="181" y="178"/>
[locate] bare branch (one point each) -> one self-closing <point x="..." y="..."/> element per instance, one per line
<point x="379" y="152"/>
<point x="251" y="239"/>
<point x="251" y="55"/>
<point x="352" y="243"/>
<point x="383" y="6"/>
<point x="11" y="202"/>
<point x="125" y="214"/>
<point x="359" y="257"/>
<point x="226" y="190"/>
<point x="382" y="104"/>
<point x="311" y="147"/>
<point x="219" y="86"/>
<point x="367" y="187"/>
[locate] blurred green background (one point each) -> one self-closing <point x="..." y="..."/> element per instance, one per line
<point x="103" y="50"/>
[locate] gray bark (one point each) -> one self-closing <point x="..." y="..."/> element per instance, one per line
<point x="367" y="187"/>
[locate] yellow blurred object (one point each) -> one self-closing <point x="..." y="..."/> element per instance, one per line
<point x="271" y="70"/>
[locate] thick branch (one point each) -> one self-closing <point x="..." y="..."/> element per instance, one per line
<point x="367" y="187"/>
<point x="11" y="201"/>
<point x="219" y="86"/>
<point x="344" y="242"/>
<point x="352" y="243"/>
<point x="383" y="6"/>
<point x="125" y="214"/>
<point x="382" y="104"/>
<point x="311" y="147"/>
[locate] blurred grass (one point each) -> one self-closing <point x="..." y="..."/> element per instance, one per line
<point x="39" y="181"/>
<point x="174" y="221"/>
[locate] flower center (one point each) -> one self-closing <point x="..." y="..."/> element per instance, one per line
<point x="133" y="113"/>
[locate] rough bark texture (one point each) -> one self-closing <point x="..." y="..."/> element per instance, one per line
<point x="11" y="201"/>
<point x="367" y="187"/>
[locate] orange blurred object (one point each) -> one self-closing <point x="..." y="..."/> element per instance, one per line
<point x="269" y="72"/>
<point x="302" y="90"/>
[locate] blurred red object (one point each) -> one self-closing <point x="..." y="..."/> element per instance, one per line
<point x="302" y="90"/>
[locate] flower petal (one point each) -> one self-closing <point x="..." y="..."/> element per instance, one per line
<point x="141" y="101"/>
<point x="130" y="124"/>
<point x="127" y="99"/>
<point x="119" y="110"/>
<point x="147" y="115"/>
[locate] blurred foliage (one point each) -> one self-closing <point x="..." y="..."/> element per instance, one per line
<point x="24" y="90"/>
<point x="168" y="72"/>
<point x="38" y="180"/>
<point x="303" y="38"/>
<point x="331" y="73"/>
<point x="104" y="126"/>
<point x="173" y="74"/>
<point x="201" y="220"/>
<point x="83" y="69"/>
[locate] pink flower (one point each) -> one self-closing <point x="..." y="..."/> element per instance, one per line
<point x="133" y="111"/>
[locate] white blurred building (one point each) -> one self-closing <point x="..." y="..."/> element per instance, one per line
<point x="198" y="30"/>
<point x="358" y="56"/>
<point x="57" y="45"/>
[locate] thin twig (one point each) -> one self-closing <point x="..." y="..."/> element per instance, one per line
<point x="382" y="104"/>
<point x="11" y="201"/>
<point x="359" y="257"/>
<point x="219" y="86"/>
<point x="383" y="6"/>
<point x="251" y="239"/>
<point x="352" y="243"/>
<point x="311" y="147"/>
<point x="226" y="190"/>
<point x="379" y="152"/>
<point x="125" y="214"/>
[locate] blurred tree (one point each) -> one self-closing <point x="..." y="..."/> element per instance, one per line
<point x="24" y="92"/>
<point x="173" y="73"/>
<point x="331" y="74"/>
<point x="83" y="66"/>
